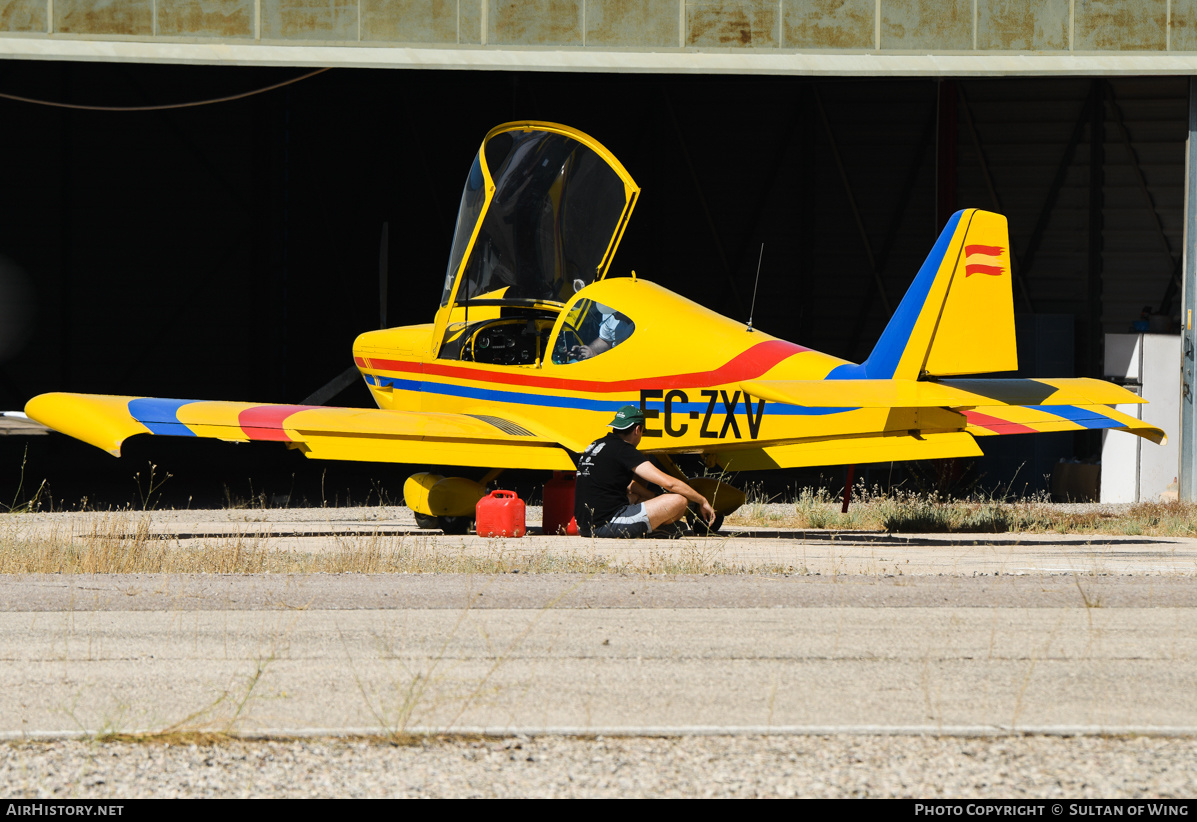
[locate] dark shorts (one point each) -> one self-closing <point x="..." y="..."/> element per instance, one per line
<point x="629" y="523"/>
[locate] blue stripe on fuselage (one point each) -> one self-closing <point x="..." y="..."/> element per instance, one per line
<point x="582" y="404"/>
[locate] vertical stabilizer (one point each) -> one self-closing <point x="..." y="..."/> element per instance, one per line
<point x="957" y="317"/>
<point x="975" y="333"/>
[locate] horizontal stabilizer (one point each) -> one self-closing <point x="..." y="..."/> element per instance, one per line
<point x="984" y="421"/>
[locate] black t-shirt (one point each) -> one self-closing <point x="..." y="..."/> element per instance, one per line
<point x="604" y="470"/>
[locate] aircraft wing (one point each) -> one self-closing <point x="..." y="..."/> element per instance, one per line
<point x="361" y="434"/>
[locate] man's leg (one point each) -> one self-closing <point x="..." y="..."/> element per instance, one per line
<point x="638" y="492"/>
<point x="665" y="509"/>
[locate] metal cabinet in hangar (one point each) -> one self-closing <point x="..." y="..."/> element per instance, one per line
<point x="1134" y="469"/>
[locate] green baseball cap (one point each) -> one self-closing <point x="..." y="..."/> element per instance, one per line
<point x="626" y="417"/>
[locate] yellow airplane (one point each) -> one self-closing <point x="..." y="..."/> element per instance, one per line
<point x="533" y="349"/>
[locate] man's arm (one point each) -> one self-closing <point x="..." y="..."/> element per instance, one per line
<point x="585" y="352"/>
<point x="651" y="473"/>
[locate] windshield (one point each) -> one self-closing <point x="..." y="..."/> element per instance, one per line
<point x="590" y="329"/>
<point x="472" y="201"/>
<point x="557" y="208"/>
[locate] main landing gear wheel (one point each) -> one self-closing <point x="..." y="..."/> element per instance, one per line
<point x="455" y="498"/>
<point x="450" y="525"/>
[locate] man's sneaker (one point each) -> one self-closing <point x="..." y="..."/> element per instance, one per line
<point x="674" y="530"/>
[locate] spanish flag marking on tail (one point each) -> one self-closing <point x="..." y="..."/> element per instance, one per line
<point x="983" y="259"/>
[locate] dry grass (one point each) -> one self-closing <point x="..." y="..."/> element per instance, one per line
<point x="121" y="543"/>
<point x="919" y="513"/>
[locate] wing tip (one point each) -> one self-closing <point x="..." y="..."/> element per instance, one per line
<point x="102" y="421"/>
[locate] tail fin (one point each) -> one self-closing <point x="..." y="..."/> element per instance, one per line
<point x="958" y="315"/>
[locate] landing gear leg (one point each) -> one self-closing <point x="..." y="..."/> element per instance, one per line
<point x="723" y="498"/>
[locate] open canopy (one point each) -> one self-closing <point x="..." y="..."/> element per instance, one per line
<point x="544" y="206"/>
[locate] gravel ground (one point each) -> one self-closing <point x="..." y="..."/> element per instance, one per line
<point x="695" y="766"/>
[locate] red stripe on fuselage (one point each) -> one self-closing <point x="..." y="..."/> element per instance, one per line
<point x="265" y="422"/>
<point x="991" y="270"/>
<point x="996" y="424"/>
<point x="745" y="366"/>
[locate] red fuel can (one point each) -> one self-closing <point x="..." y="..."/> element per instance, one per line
<point x="501" y="514"/>
<point x="559" y="504"/>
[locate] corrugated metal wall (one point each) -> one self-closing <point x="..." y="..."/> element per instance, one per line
<point x="1146" y="128"/>
<point x="1042" y="182"/>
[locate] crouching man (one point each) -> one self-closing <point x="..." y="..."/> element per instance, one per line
<point x="612" y="498"/>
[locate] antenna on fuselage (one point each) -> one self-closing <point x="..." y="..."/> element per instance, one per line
<point x="383" y="247"/>
<point x="754" y="285"/>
